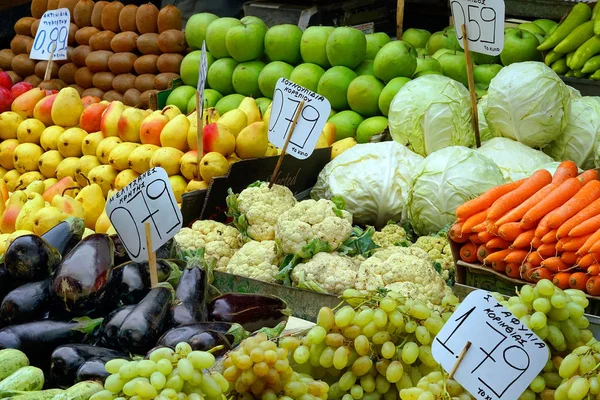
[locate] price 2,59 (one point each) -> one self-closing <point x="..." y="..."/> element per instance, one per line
<point x="476" y="19"/>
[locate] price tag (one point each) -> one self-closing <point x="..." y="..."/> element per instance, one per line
<point x="202" y="72"/>
<point x="484" y="20"/>
<point x="53" y="30"/>
<point x="312" y="119"/>
<point x="149" y="198"/>
<point x="505" y="356"/>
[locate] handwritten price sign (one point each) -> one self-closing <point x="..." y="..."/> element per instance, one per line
<point x="149" y="198"/>
<point x="484" y="20"/>
<point x="504" y="357"/>
<point x="312" y="118"/>
<point x="53" y="31"/>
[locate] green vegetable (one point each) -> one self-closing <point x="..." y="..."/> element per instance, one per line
<point x="591" y="65"/>
<point x="580" y="13"/>
<point x="590" y="48"/>
<point x="560" y="66"/>
<point x="34" y="395"/>
<point x="26" y="378"/>
<point x="291" y="260"/>
<point x="578" y="74"/>
<point x="10" y="362"/>
<point x="569" y="73"/>
<point x="551" y="57"/>
<point x="576" y="38"/>
<point x="360" y="242"/>
<point x="80" y="391"/>
<point x="239" y="218"/>
<point x="595" y="9"/>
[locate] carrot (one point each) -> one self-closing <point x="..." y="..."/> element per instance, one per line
<point x="566" y="169"/>
<point x="534" y="259"/>
<point x="578" y="280"/>
<point x="592" y="286"/>
<point x="510" y="231"/>
<point x="482" y="253"/>
<point x="518" y="212"/>
<point x="473" y="220"/>
<point x="555" y="199"/>
<point x="536" y="242"/>
<point x="594" y="237"/>
<point x="542" y="227"/>
<point x="588" y="176"/>
<point x="561" y="280"/>
<point x="485" y="236"/>
<point x="586" y="227"/>
<point x="497" y="243"/>
<point x="516" y="257"/>
<point x="593" y="269"/>
<point x="560" y="244"/>
<point x="510" y="200"/>
<point x="586" y="260"/>
<point x="468" y="252"/>
<point x="498" y="266"/>
<point x="525" y="271"/>
<point x="491" y="227"/>
<point x="497" y="256"/>
<point x="595" y="247"/>
<point x="583" y="198"/>
<point x="524" y="239"/>
<point x="588" y="212"/>
<point x="550" y="237"/>
<point x="474" y="238"/>
<point x="479" y="228"/>
<point x="512" y="270"/>
<point x="484" y="201"/>
<point x="455" y="234"/>
<point x="554" y="264"/>
<point x="569" y="257"/>
<point x="541" y="273"/>
<point x="574" y="244"/>
<point x="547" y="250"/>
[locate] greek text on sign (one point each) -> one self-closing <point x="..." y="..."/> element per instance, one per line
<point x="53" y="31"/>
<point x="149" y="198"/>
<point x="202" y="71"/>
<point x="311" y="121"/>
<point x="484" y="20"/>
<point x="505" y="355"/>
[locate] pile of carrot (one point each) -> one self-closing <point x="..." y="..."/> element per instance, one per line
<point x="541" y="227"/>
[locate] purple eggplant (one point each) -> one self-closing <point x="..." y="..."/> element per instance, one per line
<point x="28" y="302"/>
<point x="64" y="236"/>
<point x="6" y="282"/>
<point x="130" y="281"/>
<point x="93" y="370"/>
<point x="207" y="340"/>
<point x="252" y="311"/>
<point x="80" y="282"/>
<point x="109" y="333"/>
<point x="31" y="258"/>
<point x="185" y="332"/>
<point x="190" y="295"/>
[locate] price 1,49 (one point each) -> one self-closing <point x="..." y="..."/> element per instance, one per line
<point x="484" y="23"/>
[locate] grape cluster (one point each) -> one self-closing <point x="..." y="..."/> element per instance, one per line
<point x="166" y="375"/>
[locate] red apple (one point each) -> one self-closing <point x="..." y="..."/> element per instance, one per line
<point x="5" y="99"/>
<point x="5" y="80"/>
<point x="20" y="88"/>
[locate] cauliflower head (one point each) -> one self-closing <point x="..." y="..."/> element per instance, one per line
<point x="256" y="260"/>
<point x="407" y="270"/>
<point x="218" y="240"/>
<point x="331" y="271"/>
<point x="309" y="220"/>
<point x="391" y="235"/>
<point x="438" y="249"/>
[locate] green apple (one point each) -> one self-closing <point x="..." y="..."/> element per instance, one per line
<point x="190" y="65"/>
<point x="546" y="24"/>
<point x="520" y="46"/>
<point x="375" y="41"/>
<point x="271" y="74"/>
<point x="365" y="68"/>
<point x="417" y="37"/>
<point x="245" y="78"/>
<point x="442" y="40"/>
<point x="454" y="66"/>
<point x="307" y="75"/>
<point x="395" y="59"/>
<point x="483" y="74"/>
<point x="369" y="127"/>
<point x="346" y="47"/>
<point x="263" y="103"/>
<point x="421" y="51"/>
<point x="180" y="97"/>
<point x="510" y="29"/>
<point x="282" y="43"/>
<point x="363" y="95"/>
<point x="245" y="42"/>
<point x="388" y="93"/>
<point x="427" y="64"/>
<point x="220" y="74"/>
<point x="313" y="43"/>
<point x="441" y="52"/>
<point x="195" y="29"/>
<point x="426" y="72"/>
<point x="228" y="103"/>
<point x="216" y="34"/>
<point x="346" y="123"/>
<point x="211" y="97"/>
<point x="251" y="19"/>
<point x="333" y="85"/>
<point x="531" y="28"/>
<point x="480" y="58"/>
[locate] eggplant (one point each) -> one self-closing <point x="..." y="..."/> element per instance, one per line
<point x="64" y="236"/>
<point x="190" y="295"/>
<point x="147" y="321"/>
<point x="80" y="282"/>
<point x="252" y="311"/>
<point x="93" y="370"/>
<point x="121" y="255"/>
<point x="31" y="258"/>
<point x="66" y="360"/>
<point x="207" y="340"/>
<point x="28" y="302"/>
<point x="130" y="281"/>
<point x="185" y="332"/>
<point x="7" y="283"/>
<point x="109" y="333"/>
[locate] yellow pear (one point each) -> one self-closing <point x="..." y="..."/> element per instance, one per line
<point x="67" y="167"/>
<point x="9" y="122"/>
<point x="130" y="123"/>
<point x="111" y="231"/>
<point x="48" y="162"/>
<point x="233" y="158"/>
<point x="267" y="116"/>
<point x="49" y="138"/>
<point x="252" y="141"/>
<point x="102" y="223"/>
<point x="213" y="164"/>
<point x="124" y="178"/>
<point x="104" y="176"/>
<point x="174" y="133"/>
<point x="196" y="185"/>
<point x="171" y="111"/>
<point x="216" y="137"/>
<point x="192" y="134"/>
<point x="321" y="143"/>
<point x="235" y="120"/>
<point x="249" y="106"/>
<point x="35" y="202"/>
<point x="167" y="158"/>
<point x="46" y="218"/>
<point x="111" y="193"/>
<point x="328" y="133"/>
<point x="271" y="150"/>
<point x="110" y="119"/>
<point x="27" y="178"/>
<point x="14" y="205"/>
<point x="119" y="156"/>
<point x="87" y="232"/>
<point x="105" y="146"/>
<point x="26" y="157"/>
<point x="49" y="182"/>
<point x="92" y="200"/>
<point x="3" y="171"/>
<point x="30" y="131"/>
<point x="70" y="142"/>
<point x="7" y="149"/>
<point x="342" y="145"/>
<point x="139" y="159"/>
<point x="36" y="186"/>
<point x="11" y="179"/>
<point x="188" y="165"/>
<point x="67" y="108"/>
<point x="178" y="183"/>
<point x="68" y="205"/>
<point x="84" y="166"/>
<point x="90" y="143"/>
<point x="16" y="234"/>
<point x="4" y="242"/>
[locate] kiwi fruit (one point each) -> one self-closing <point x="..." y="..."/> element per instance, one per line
<point x="127" y="18"/>
<point x="52" y="84"/>
<point x="33" y="79"/>
<point x="34" y="27"/>
<point x="80" y="54"/>
<point x="97" y="14"/>
<point x="148" y="43"/>
<point x="132" y="97"/>
<point x="162" y="81"/>
<point x="52" y="4"/>
<point x="14" y="77"/>
<point x="101" y="40"/>
<point x="146" y="19"/>
<point x="6" y="56"/>
<point x="123" y="82"/>
<point x="38" y="8"/>
<point x="145" y="98"/>
<point x="169" y="17"/>
<point x="23" y="26"/>
<point x="110" y="16"/>
<point x="112" y="95"/>
<point x="121" y="63"/>
<point x="79" y="89"/>
<point x="144" y="82"/>
<point x="124" y="42"/>
<point x="93" y="92"/>
<point x="23" y="65"/>
<point x="97" y="61"/>
<point x="83" y="35"/>
<point x="103" y="80"/>
<point x="146" y="64"/>
<point x="72" y="30"/>
<point x="70" y="50"/>
<point x="172" y="41"/>
<point x="70" y="4"/>
<point x="82" y="14"/>
<point x="169" y="62"/>
<point x="84" y="77"/>
<point x="40" y="69"/>
<point x="67" y="73"/>
<point x="19" y="44"/>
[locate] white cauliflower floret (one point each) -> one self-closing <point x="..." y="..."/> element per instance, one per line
<point x="309" y="220"/>
<point x="256" y="260"/>
<point x="332" y="271"/>
<point x="391" y="235"/>
<point x="438" y="249"/>
<point x="262" y="206"/>
<point x="407" y="270"/>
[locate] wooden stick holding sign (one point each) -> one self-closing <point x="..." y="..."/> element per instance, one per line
<point x="471" y="85"/>
<point x="48" y="73"/>
<point x="399" y="18"/>
<point x="462" y="355"/>
<point x="202" y="71"/>
<point x="287" y="142"/>
<point x="151" y="257"/>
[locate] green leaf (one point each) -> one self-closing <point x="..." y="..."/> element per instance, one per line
<point x="87" y="325"/>
<point x="175" y="274"/>
<point x="256" y="184"/>
<point x="312" y="286"/>
<point x="275" y="332"/>
<point x="339" y="202"/>
<point x="291" y="260"/>
<point x="233" y="210"/>
<point x="360" y="242"/>
<point x="238" y="332"/>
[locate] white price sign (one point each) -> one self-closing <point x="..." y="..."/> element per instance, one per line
<point x="202" y="72"/>
<point x="484" y="21"/>
<point x="312" y="118"/>
<point x="53" y="32"/>
<point x="505" y="356"/>
<point x="149" y="198"/>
